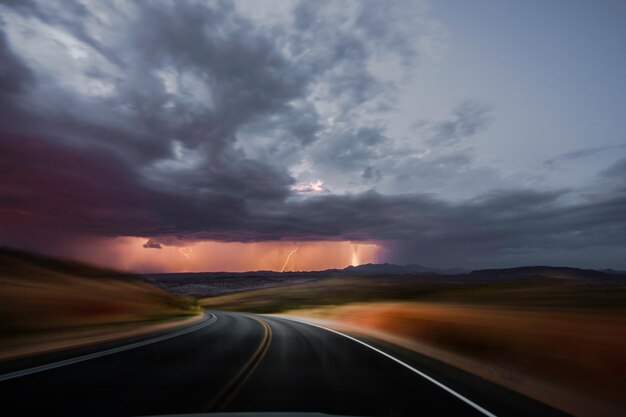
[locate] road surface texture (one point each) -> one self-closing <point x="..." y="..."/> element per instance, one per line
<point x="235" y="362"/>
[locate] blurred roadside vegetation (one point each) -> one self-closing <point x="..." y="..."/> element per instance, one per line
<point x="536" y="290"/>
<point x="556" y="335"/>
<point x="42" y="298"/>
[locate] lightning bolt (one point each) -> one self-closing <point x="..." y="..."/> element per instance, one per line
<point x="288" y="256"/>
<point x="185" y="251"/>
<point x="355" y="256"/>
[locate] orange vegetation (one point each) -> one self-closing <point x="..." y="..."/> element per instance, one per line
<point x="47" y="303"/>
<point x="571" y="359"/>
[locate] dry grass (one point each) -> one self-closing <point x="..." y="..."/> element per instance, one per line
<point x="547" y="292"/>
<point x="43" y="299"/>
<point x="555" y="335"/>
<point x="569" y="359"/>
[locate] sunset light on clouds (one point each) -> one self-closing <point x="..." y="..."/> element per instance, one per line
<point x="130" y="254"/>
<point x="444" y="134"/>
<point x="313" y="186"/>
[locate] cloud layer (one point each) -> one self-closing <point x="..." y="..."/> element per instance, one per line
<point x="188" y="121"/>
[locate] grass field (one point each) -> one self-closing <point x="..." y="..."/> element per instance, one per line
<point x="535" y="291"/>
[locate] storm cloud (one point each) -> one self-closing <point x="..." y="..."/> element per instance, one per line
<point x="191" y="121"/>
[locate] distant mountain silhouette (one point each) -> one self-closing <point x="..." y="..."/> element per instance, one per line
<point x="365" y="269"/>
<point x="393" y="269"/>
<point x="545" y="272"/>
<point x="214" y="283"/>
<point x="412" y="269"/>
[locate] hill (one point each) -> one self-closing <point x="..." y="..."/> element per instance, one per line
<point x="526" y="286"/>
<point x="45" y="300"/>
<point x="205" y="284"/>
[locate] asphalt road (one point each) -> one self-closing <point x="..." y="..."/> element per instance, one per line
<point x="245" y="363"/>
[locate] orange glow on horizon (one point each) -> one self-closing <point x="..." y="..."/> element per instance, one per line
<point x="128" y="253"/>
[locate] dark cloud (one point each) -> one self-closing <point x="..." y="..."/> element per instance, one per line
<point x="335" y="49"/>
<point x="94" y="193"/>
<point x="580" y="153"/>
<point x="617" y="170"/>
<point x="15" y="77"/>
<point x="468" y="118"/>
<point x="76" y="189"/>
<point x="382" y="22"/>
<point x="371" y="173"/>
<point x="352" y="150"/>
<point x="152" y="244"/>
<point x="187" y="121"/>
<point x="244" y="77"/>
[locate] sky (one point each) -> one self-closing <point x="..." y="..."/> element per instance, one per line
<point x="224" y="135"/>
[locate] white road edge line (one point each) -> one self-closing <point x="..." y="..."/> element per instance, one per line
<point x="53" y="365"/>
<point x="406" y="365"/>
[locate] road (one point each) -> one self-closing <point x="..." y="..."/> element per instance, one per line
<point x="244" y="363"/>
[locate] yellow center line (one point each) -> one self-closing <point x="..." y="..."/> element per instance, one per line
<point x="226" y="395"/>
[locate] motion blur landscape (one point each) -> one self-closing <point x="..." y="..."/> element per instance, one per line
<point x="313" y="208"/>
<point x="48" y="304"/>
<point x="556" y="334"/>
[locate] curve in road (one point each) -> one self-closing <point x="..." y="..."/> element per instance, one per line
<point x="248" y="363"/>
